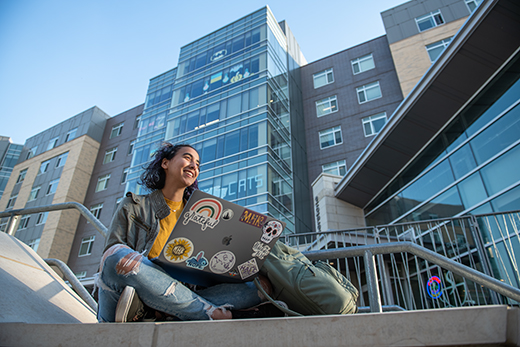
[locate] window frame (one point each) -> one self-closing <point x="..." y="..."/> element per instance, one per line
<point x="364" y="89"/>
<point x="60" y="157"/>
<point x="34" y="196"/>
<point x="444" y="42"/>
<point x="96" y="210"/>
<point x="105" y="179"/>
<point x="11" y="202"/>
<point x="32" y="152"/>
<point x="359" y="60"/>
<point x="110" y="155"/>
<point x="476" y="3"/>
<point x="89" y="242"/>
<point x="124" y="175"/>
<point x="53" y="143"/>
<point x="332" y="131"/>
<point x="131" y="147"/>
<point x="370" y="120"/>
<point x="432" y="17"/>
<point x="335" y="165"/>
<point x="47" y="163"/>
<point x="328" y="100"/>
<point x="24" y="222"/>
<point x="42" y="218"/>
<point x="118" y="128"/>
<point x="34" y="243"/>
<point x="325" y="73"/>
<point x="71" y="135"/>
<point x="53" y="183"/>
<point x="21" y="176"/>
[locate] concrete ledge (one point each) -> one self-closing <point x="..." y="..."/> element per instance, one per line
<point x="471" y="326"/>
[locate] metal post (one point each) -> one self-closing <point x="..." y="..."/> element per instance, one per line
<point x="373" y="286"/>
<point x="11" y="225"/>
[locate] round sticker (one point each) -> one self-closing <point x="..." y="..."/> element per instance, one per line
<point x="222" y="262"/>
<point x="178" y="250"/>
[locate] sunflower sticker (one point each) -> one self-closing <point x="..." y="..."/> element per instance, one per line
<point x="178" y="250"/>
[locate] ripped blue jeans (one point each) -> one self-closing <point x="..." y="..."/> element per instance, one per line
<point x="121" y="266"/>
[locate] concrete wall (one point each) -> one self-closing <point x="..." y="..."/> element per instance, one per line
<point x="332" y="213"/>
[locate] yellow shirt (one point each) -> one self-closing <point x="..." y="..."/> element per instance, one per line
<point x="166" y="225"/>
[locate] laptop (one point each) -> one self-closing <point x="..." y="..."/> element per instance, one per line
<point x="216" y="241"/>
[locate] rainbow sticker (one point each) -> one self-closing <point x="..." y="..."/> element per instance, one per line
<point x="205" y="212"/>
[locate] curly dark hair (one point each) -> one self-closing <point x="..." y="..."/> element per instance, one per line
<point x="154" y="176"/>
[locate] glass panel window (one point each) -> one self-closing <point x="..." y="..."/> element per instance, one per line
<point x="71" y="135"/>
<point x="34" y="193"/>
<point x="42" y="218"/>
<point x="429" y="20"/>
<point x="62" y="159"/>
<point x="363" y="64"/>
<point x="110" y="155"/>
<point x="53" y="185"/>
<point x="96" y="210"/>
<point x="86" y="246"/>
<point x="336" y="168"/>
<point x="136" y="123"/>
<point x="368" y="92"/>
<point x="472" y="190"/>
<point x="44" y="166"/>
<point x="502" y="172"/>
<point x="323" y="78"/>
<point x="373" y="124"/>
<point x="131" y="147"/>
<point x="473" y="4"/>
<point x="24" y="222"/>
<point x="11" y="201"/>
<point x="102" y="183"/>
<point x="124" y="176"/>
<point x="116" y="130"/>
<point x="34" y="244"/>
<point x="81" y="275"/>
<point x="330" y="137"/>
<point x="32" y="152"/>
<point x="326" y="106"/>
<point x="435" y="49"/>
<point x="21" y="176"/>
<point x="53" y="143"/>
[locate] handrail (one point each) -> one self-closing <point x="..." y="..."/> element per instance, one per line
<point x="47" y="208"/>
<point x="74" y="282"/>
<point x="369" y="251"/>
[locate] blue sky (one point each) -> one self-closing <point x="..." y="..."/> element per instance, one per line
<point x="61" y="57"/>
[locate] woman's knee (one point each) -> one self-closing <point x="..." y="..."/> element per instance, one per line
<point x="127" y="261"/>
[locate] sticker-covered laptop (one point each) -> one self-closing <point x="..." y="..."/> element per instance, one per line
<point x="216" y="241"/>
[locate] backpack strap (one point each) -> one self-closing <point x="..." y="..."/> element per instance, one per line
<point x="278" y="306"/>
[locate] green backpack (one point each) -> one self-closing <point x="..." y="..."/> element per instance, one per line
<point x="307" y="288"/>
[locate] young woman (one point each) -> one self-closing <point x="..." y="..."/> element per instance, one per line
<point x="138" y="232"/>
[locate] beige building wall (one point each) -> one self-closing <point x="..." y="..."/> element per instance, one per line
<point x="60" y="227"/>
<point x="332" y="213"/>
<point x="411" y="59"/>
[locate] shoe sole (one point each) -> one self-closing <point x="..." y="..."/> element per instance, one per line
<point x="124" y="304"/>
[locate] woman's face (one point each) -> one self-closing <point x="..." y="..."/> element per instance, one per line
<point x="183" y="169"/>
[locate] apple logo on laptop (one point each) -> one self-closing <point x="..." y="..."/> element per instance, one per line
<point x="227" y="240"/>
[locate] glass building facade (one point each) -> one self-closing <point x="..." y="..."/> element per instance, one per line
<point x="234" y="97"/>
<point x="470" y="168"/>
<point x="8" y="160"/>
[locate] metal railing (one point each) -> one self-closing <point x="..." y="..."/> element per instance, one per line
<point x="14" y="215"/>
<point x="398" y="261"/>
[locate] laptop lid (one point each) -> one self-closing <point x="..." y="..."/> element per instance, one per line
<point x="216" y="241"/>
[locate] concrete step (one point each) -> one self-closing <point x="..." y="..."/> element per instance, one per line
<point x="38" y="309"/>
<point x="469" y="326"/>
